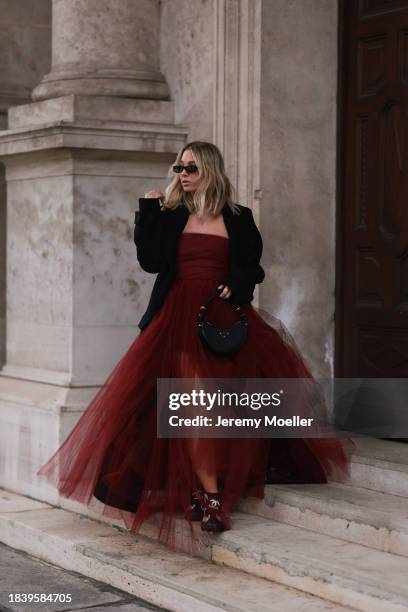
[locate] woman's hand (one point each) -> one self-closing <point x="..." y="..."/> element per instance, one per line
<point x="225" y="293"/>
<point x="155" y="194"/>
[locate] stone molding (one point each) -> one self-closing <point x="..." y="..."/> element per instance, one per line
<point x="91" y="108"/>
<point x="237" y="94"/>
<point x="84" y="135"/>
<point x="237" y="103"/>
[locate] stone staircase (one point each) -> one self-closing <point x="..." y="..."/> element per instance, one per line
<point x="371" y="509"/>
<point x="334" y="546"/>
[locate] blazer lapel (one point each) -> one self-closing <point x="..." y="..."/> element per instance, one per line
<point x="227" y="216"/>
<point x="181" y="217"/>
<point x="177" y="223"/>
<point x="232" y="229"/>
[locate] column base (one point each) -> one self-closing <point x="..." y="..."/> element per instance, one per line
<point x="96" y="109"/>
<point x="118" y="83"/>
<point x="35" y="418"/>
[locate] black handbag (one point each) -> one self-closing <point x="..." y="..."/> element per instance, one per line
<point x="222" y="340"/>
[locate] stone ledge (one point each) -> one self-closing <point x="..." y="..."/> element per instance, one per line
<point x="330" y="568"/>
<point x="139" y="566"/>
<point x="351" y="513"/>
<point x="38" y="395"/>
<point x="344" y="573"/>
<point x="73" y="108"/>
<point x="380" y="465"/>
<point x="107" y="135"/>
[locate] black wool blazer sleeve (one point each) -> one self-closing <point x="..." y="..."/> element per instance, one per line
<point x="149" y="234"/>
<point x="243" y="276"/>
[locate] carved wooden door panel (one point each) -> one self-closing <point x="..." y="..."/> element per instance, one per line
<point x="372" y="262"/>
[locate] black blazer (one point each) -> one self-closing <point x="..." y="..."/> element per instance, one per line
<point x="156" y="235"/>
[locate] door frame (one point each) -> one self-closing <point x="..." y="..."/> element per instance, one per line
<point x="342" y="71"/>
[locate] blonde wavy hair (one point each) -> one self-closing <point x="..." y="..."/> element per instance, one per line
<point x="215" y="188"/>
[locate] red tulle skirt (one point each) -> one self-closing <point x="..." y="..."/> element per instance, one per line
<point x="113" y="460"/>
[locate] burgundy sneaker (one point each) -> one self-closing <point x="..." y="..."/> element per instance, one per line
<point x="195" y="511"/>
<point x="213" y="513"/>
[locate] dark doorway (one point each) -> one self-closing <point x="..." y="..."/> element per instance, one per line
<point x="372" y="223"/>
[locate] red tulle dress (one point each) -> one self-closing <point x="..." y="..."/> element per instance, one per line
<point x="113" y="460"/>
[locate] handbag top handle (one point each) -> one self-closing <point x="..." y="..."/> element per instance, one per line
<point x="238" y="310"/>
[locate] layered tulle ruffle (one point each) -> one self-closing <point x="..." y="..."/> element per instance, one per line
<point x="113" y="459"/>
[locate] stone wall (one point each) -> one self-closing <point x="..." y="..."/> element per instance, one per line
<point x="277" y="130"/>
<point x="187" y="61"/>
<point x="298" y="170"/>
<point x="25" y="51"/>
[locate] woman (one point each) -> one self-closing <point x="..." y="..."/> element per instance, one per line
<point x="197" y="240"/>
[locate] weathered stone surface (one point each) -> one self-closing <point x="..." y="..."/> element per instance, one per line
<point x="144" y="568"/>
<point x="187" y="60"/>
<point x="328" y="567"/>
<point x="75" y="168"/>
<point x="71" y="216"/>
<point x="93" y="110"/>
<point x="298" y="171"/>
<point x="25" y="49"/>
<point x="352" y="513"/>
<point x="104" y="48"/>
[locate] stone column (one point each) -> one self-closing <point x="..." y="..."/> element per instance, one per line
<point x="100" y="47"/>
<point x="25" y="50"/>
<point x="75" y="167"/>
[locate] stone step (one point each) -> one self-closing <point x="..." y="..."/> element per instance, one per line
<point x="134" y="564"/>
<point x="359" y="515"/>
<point x="380" y="465"/>
<point x="343" y="572"/>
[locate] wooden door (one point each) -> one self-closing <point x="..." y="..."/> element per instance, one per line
<point x="372" y="223"/>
